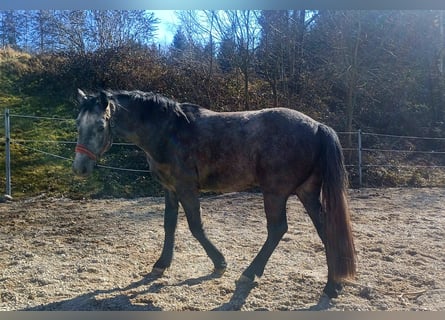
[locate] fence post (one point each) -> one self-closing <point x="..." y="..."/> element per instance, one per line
<point x="7" y="154"/>
<point x="360" y="177"/>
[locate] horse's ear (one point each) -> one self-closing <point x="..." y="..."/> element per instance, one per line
<point x="81" y="96"/>
<point x="104" y="98"/>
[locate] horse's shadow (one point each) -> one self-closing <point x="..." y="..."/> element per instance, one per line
<point x="323" y="304"/>
<point x="243" y="289"/>
<point x="118" y="299"/>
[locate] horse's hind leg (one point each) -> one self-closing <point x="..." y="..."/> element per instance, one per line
<point x="275" y="208"/>
<point x="309" y="195"/>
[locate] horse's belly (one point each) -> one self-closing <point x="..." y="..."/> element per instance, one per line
<point x="229" y="180"/>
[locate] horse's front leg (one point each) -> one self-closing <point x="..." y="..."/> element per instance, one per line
<point x="170" y="222"/>
<point x="190" y="203"/>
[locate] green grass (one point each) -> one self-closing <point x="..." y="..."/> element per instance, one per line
<point x="34" y="173"/>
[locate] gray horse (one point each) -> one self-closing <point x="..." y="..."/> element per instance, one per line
<point x="192" y="149"/>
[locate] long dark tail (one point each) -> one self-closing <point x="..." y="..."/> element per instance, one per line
<point x="340" y="251"/>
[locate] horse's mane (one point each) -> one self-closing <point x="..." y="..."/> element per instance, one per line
<point x="149" y="102"/>
<point x="141" y="96"/>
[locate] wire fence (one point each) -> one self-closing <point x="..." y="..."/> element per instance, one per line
<point x="365" y="152"/>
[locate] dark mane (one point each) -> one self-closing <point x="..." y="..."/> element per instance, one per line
<point x="148" y="103"/>
<point x="143" y="97"/>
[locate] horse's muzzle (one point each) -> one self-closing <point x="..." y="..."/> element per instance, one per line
<point x="83" y="165"/>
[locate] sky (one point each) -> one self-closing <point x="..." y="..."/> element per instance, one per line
<point x="168" y="24"/>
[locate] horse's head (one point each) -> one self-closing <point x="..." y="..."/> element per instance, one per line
<point x="94" y="131"/>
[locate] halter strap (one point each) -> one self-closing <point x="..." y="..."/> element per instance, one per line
<point x="80" y="148"/>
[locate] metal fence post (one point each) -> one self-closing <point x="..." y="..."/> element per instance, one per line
<point x="360" y="177"/>
<point x="7" y="154"/>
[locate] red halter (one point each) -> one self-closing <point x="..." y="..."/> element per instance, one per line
<point x="80" y="148"/>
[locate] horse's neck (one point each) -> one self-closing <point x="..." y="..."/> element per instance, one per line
<point x="126" y="127"/>
<point x="129" y="127"/>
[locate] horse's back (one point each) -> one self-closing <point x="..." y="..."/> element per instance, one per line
<point x="270" y="147"/>
<point x="258" y="123"/>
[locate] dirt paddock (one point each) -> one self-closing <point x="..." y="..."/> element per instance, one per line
<point x="59" y="254"/>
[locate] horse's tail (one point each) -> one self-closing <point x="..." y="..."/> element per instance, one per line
<point x="340" y="251"/>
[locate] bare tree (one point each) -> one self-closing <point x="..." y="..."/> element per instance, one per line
<point x="242" y="26"/>
<point x="114" y="28"/>
<point x="340" y="57"/>
<point x="43" y="32"/>
<point x="9" y="28"/>
<point x="218" y="27"/>
<point x="70" y="29"/>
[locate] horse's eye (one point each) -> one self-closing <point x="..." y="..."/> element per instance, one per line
<point x="101" y="125"/>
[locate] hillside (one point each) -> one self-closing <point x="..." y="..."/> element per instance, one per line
<point x="34" y="171"/>
<point x="42" y="88"/>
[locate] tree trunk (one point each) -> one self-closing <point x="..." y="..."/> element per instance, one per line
<point x="352" y="85"/>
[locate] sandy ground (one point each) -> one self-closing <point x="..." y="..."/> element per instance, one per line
<point x="59" y="254"/>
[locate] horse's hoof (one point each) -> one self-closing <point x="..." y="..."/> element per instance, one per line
<point x="157" y="272"/>
<point x="244" y="279"/>
<point x="218" y="272"/>
<point x="332" y="290"/>
<point x="324" y="298"/>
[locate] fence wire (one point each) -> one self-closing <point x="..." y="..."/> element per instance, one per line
<point x="22" y="144"/>
<point x="358" y="150"/>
